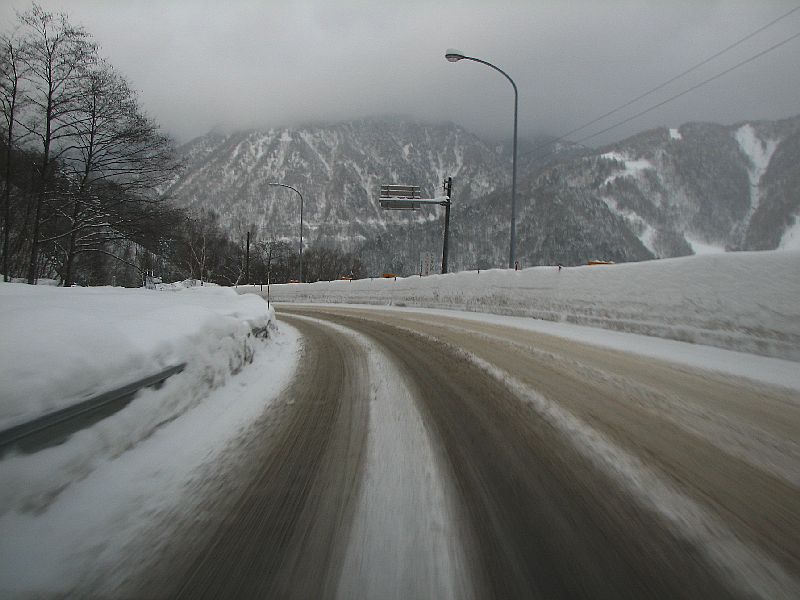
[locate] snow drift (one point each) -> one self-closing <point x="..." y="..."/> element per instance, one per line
<point x="744" y="301"/>
<point x="61" y="346"/>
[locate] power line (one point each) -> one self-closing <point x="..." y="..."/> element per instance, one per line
<point x="694" y="87"/>
<point x="666" y="83"/>
<point x="686" y="72"/>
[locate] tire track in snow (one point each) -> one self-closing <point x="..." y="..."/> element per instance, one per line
<point x="404" y="541"/>
<point x="748" y="568"/>
<point x="283" y="536"/>
<point x="548" y="522"/>
<point x="737" y="430"/>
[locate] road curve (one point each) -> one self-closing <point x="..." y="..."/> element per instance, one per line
<point x="569" y="472"/>
<point x="551" y="443"/>
<point x="277" y="514"/>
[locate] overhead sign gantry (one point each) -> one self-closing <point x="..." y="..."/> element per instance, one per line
<point x="409" y="197"/>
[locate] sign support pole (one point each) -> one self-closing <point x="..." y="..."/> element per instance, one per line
<point x="448" y="190"/>
<point x="408" y="197"/>
<point x="247" y="261"/>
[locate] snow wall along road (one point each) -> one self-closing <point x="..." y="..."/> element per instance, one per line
<point x="744" y="301"/>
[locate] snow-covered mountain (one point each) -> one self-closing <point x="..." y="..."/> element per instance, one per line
<point x="338" y="169"/>
<point x="701" y="187"/>
<point x="665" y="192"/>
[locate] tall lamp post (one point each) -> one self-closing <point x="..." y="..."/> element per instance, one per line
<point x="301" y="221"/>
<point x="455" y="56"/>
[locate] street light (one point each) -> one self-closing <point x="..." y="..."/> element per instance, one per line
<point x="301" y="222"/>
<point x="455" y="56"/>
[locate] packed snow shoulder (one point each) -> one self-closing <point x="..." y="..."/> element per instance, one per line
<point x="61" y="346"/>
<point x="743" y="301"/>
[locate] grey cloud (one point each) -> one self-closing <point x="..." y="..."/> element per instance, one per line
<point x="249" y="63"/>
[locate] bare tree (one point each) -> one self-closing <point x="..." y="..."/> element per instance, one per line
<point x="267" y="252"/>
<point x="197" y="240"/>
<point x="324" y="263"/>
<point x="113" y="146"/>
<point x="56" y="55"/>
<point x="11" y="74"/>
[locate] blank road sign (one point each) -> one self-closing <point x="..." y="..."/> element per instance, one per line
<point x="399" y="204"/>
<point x="400" y="191"/>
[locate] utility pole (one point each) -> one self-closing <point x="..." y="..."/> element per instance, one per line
<point x="247" y="261"/>
<point x="448" y="190"/>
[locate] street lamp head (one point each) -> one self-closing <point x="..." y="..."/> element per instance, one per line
<point x="454" y="55"/>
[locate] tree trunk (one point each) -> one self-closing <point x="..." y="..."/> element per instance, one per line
<point x="12" y="107"/>
<point x="37" y="217"/>
<point x="72" y="242"/>
<point x="68" y="261"/>
<point x="7" y="211"/>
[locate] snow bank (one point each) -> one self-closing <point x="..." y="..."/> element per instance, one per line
<point x="105" y="524"/>
<point x="60" y="346"/>
<point x="744" y="301"/>
<point x="63" y="345"/>
<point x="69" y="510"/>
<point x="701" y="247"/>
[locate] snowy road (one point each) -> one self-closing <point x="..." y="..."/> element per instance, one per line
<point x="428" y="456"/>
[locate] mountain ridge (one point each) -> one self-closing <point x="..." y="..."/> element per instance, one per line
<point x="663" y="192"/>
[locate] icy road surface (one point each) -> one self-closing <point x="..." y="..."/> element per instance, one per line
<point x="424" y="456"/>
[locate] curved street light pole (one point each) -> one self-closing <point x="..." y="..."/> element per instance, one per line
<point x="301" y="221"/>
<point x="455" y="56"/>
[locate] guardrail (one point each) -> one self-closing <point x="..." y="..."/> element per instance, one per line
<point x="54" y="427"/>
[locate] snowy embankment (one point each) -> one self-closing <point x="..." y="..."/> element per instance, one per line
<point x="743" y="301"/>
<point x="66" y="509"/>
<point x="61" y="346"/>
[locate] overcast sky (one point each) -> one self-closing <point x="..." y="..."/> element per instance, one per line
<point x="244" y="63"/>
